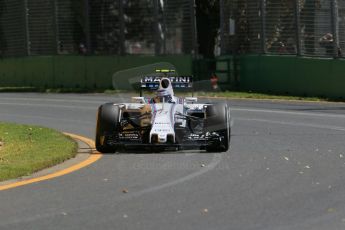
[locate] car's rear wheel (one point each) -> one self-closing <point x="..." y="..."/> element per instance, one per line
<point x="218" y="123"/>
<point x="107" y="126"/>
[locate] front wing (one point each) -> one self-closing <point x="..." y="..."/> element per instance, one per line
<point x="134" y="140"/>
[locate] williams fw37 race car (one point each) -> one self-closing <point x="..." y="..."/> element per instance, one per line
<point x="163" y="121"/>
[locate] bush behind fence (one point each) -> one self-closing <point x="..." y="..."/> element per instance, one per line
<point x="286" y="27"/>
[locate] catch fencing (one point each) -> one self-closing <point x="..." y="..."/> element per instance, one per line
<point x="99" y="27"/>
<point x="313" y="28"/>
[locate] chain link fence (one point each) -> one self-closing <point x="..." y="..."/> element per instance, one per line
<point x="284" y="27"/>
<point x="12" y="28"/>
<point x="104" y="27"/>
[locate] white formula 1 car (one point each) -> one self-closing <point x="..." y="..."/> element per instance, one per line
<point x="163" y="121"/>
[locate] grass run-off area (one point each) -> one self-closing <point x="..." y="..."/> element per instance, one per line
<point x="252" y="95"/>
<point x="234" y="94"/>
<point x="25" y="149"/>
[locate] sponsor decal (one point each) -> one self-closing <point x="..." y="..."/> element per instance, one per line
<point x="129" y="135"/>
<point x="155" y="79"/>
<point x="152" y="82"/>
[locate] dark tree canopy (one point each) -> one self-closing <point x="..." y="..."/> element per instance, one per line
<point x="208" y="22"/>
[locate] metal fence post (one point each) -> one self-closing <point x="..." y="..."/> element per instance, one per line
<point x="156" y="27"/>
<point x="335" y="26"/>
<point x="298" y="27"/>
<point x="26" y="28"/>
<point x="263" y="25"/>
<point x="87" y="26"/>
<point x="195" y="45"/>
<point x="56" y="26"/>
<point x="222" y="26"/>
<point x="122" y="28"/>
<point x="164" y="28"/>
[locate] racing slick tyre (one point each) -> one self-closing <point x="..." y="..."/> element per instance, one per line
<point x="107" y="125"/>
<point x="218" y="122"/>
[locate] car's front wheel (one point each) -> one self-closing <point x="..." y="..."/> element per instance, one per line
<point x="107" y="126"/>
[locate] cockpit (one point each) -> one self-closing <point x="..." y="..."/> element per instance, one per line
<point x="164" y="93"/>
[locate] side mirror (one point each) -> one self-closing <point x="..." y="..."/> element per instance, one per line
<point x="191" y="99"/>
<point x="138" y="100"/>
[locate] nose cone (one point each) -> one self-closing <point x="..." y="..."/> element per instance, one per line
<point x="162" y="130"/>
<point x="162" y="138"/>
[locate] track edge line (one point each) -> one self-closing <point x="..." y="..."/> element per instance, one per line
<point x="94" y="156"/>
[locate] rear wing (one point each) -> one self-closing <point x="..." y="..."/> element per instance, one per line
<point x="151" y="82"/>
<point x="177" y="82"/>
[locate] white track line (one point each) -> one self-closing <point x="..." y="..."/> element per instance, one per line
<point x="289" y="112"/>
<point x="338" y="128"/>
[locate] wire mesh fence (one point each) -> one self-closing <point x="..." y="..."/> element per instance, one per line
<point x="41" y="27"/>
<point x="12" y="28"/>
<point x="104" y="27"/>
<point x="286" y="27"/>
<point x="279" y="27"/>
<point x="341" y="26"/>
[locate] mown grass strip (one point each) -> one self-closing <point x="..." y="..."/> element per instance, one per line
<point x="25" y="149"/>
<point x="226" y="94"/>
<point x="252" y="95"/>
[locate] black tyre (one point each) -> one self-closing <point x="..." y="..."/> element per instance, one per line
<point x="107" y="126"/>
<point x="218" y="121"/>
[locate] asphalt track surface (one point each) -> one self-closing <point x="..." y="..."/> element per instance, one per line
<point x="285" y="170"/>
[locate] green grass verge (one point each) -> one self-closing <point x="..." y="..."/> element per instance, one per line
<point x="241" y="95"/>
<point x="251" y="95"/>
<point x="227" y="94"/>
<point x="27" y="149"/>
<point x="49" y="90"/>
